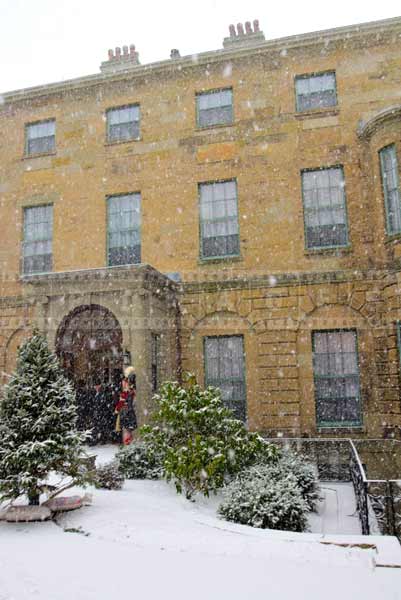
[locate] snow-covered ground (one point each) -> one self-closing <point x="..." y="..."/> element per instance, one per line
<point x="146" y="541"/>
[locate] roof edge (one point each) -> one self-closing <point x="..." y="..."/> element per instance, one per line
<point x="288" y="42"/>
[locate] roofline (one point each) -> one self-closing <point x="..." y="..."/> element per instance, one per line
<point x="289" y="42"/>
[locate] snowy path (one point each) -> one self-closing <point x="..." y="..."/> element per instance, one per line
<point x="337" y="512"/>
<point x="146" y="541"/>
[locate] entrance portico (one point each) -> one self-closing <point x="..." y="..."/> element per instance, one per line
<point x="93" y="318"/>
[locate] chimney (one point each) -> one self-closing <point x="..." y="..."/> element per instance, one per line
<point x="244" y="36"/>
<point x="119" y="61"/>
<point x="175" y="53"/>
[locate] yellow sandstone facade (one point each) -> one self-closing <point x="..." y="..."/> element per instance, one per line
<point x="293" y="112"/>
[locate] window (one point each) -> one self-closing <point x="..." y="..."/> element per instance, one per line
<point x="155" y="358"/>
<point x="124" y="229"/>
<point x="38" y="235"/>
<point x="123" y="123"/>
<point x="214" y="108"/>
<point x="219" y="219"/>
<point x="325" y="212"/>
<point x="391" y="188"/>
<point x="336" y="377"/>
<point x="224" y="368"/>
<point x="40" y="138"/>
<point x="315" y="91"/>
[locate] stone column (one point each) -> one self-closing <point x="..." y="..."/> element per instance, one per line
<point x="140" y="352"/>
<point x="41" y="314"/>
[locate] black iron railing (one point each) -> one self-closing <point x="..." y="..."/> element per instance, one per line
<point x="359" y="482"/>
<point x="378" y="501"/>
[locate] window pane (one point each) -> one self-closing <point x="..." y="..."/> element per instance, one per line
<point x="124" y="229"/>
<point x="214" y="108"/>
<point x="40" y="137"/>
<point x="219" y="219"/>
<point x="324" y="208"/>
<point x="316" y="91"/>
<point x="336" y="378"/>
<point x="38" y="130"/>
<point x="391" y="188"/>
<point x="123" y="123"/>
<point x="38" y="234"/>
<point x="224" y="368"/>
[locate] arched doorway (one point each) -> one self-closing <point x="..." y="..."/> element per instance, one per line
<point x="89" y="347"/>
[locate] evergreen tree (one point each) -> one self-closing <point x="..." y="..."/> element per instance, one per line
<point x="38" y="432"/>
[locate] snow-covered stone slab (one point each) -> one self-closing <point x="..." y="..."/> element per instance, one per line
<point x="387" y="547"/>
<point x="64" y="503"/>
<point x="16" y="514"/>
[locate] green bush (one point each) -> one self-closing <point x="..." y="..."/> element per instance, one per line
<point x="108" y="477"/>
<point x="140" y="461"/>
<point x="201" y="443"/>
<point x="304" y="473"/>
<point x="258" y="500"/>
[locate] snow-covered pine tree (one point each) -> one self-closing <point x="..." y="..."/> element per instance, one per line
<point x="38" y="432"/>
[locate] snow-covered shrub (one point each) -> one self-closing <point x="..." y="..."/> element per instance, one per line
<point x="201" y="442"/>
<point x="109" y="477"/>
<point x="140" y="461"/>
<point x="258" y="500"/>
<point x="38" y="432"/>
<point x="304" y="473"/>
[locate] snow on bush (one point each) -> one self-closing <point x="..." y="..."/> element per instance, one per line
<point x="109" y="477"/>
<point x="140" y="461"/>
<point x="201" y="442"/>
<point x="304" y="473"/>
<point x="257" y="499"/>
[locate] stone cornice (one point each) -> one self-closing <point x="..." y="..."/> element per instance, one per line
<point x="369" y="128"/>
<point x="347" y="33"/>
<point x="283" y="279"/>
<point x="146" y="277"/>
<point x="116" y="277"/>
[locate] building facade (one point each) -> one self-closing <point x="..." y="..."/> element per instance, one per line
<point x="236" y="214"/>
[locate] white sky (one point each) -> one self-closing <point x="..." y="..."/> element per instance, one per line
<point x="50" y="40"/>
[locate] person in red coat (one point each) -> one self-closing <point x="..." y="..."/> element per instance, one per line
<point x="125" y="407"/>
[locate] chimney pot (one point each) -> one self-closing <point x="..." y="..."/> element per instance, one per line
<point x="118" y="52"/>
<point x="111" y="54"/>
<point x="175" y="53"/>
<point x="132" y="49"/>
<point x="125" y="50"/>
<point x="244" y="35"/>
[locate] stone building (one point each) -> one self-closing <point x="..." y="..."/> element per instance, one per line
<point x="236" y="214"/>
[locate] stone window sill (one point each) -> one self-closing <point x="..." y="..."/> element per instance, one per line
<point x="119" y="142"/>
<point x="334" y="251"/>
<point x="39" y="155"/>
<point x="207" y="128"/>
<point x="28" y="276"/>
<point x="318" y="112"/>
<point x="214" y="259"/>
<point x="341" y="430"/>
